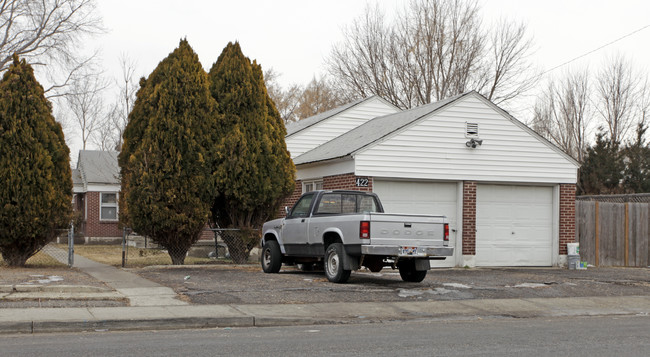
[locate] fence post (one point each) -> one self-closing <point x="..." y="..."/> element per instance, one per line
<point x="627" y="233"/>
<point x="597" y="255"/>
<point x="123" y="247"/>
<point x="71" y="245"/>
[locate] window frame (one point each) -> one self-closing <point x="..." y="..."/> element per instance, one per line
<point x="316" y="185"/>
<point x="103" y="205"/>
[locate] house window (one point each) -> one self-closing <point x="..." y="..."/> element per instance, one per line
<point x="315" y="185"/>
<point x="108" y="207"/>
<point x="471" y="130"/>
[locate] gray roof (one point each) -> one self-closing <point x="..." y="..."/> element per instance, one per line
<point x="369" y="132"/>
<point x="76" y="177"/>
<point x="307" y="122"/>
<point x="98" y="167"/>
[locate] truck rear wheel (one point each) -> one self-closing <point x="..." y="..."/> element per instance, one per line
<point x="408" y="273"/>
<point x="334" y="264"/>
<point x="271" y="258"/>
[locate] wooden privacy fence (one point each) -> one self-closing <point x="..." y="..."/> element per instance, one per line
<point x="613" y="233"/>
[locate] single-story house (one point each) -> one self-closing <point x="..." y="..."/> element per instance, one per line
<point x="508" y="193"/>
<point x="96" y="187"/>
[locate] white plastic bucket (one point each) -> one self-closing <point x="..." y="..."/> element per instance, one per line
<point x="573" y="248"/>
<point x="573" y="261"/>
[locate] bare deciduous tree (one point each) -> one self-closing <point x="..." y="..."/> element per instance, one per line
<point x="563" y="114"/>
<point x="47" y="34"/>
<point x="317" y="97"/>
<point x="434" y="50"/>
<point x="86" y="105"/>
<point x="286" y="100"/>
<point x="619" y="89"/>
<point x="128" y="86"/>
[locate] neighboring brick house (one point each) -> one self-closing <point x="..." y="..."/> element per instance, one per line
<point x="96" y="187"/>
<point x="508" y="193"/>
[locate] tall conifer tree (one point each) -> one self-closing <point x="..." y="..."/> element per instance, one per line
<point x="167" y="182"/>
<point x="36" y="188"/>
<point x="602" y="170"/>
<point x="255" y="171"/>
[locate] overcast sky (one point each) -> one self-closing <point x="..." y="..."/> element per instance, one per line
<point x="294" y="36"/>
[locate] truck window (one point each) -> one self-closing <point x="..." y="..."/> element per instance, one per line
<point x="366" y="204"/>
<point x="336" y="203"/>
<point x="301" y="209"/>
<point x="329" y="204"/>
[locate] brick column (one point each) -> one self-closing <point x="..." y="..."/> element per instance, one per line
<point x="567" y="216"/>
<point x="469" y="218"/>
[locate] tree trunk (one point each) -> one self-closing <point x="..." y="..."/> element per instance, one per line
<point x="237" y="246"/>
<point x="177" y="255"/>
<point x="16" y="259"/>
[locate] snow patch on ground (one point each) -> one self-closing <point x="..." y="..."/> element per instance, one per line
<point x="457" y="286"/>
<point x="528" y="285"/>
<point x="42" y="279"/>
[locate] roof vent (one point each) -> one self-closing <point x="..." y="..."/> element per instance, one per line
<point x="471" y="130"/>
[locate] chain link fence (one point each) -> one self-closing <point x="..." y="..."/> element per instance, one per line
<point x="58" y="253"/>
<point x="633" y="197"/>
<point x="229" y="246"/>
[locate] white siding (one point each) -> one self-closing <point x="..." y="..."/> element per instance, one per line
<point x="307" y="172"/>
<point x="434" y="148"/>
<point x="337" y="125"/>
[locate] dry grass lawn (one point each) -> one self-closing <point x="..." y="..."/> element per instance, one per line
<point x="112" y="255"/>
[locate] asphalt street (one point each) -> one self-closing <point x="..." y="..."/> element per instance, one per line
<point x="577" y="336"/>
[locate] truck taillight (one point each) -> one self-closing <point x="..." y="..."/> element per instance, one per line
<point x="364" y="230"/>
<point x="446" y="237"/>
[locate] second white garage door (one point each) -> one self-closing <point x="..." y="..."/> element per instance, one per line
<point x="422" y="198"/>
<point x="514" y="225"/>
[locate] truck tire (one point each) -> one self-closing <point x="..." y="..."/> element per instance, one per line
<point x="271" y="257"/>
<point x="334" y="264"/>
<point x="408" y="273"/>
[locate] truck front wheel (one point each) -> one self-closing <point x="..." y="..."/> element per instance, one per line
<point x="334" y="264"/>
<point x="408" y="273"/>
<point x="271" y="258"/>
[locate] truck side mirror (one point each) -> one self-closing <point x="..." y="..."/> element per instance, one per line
<point x="286" y="210"/>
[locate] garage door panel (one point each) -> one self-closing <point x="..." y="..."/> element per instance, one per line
<point x="514" y="225"/>
<point x="422" y="198"/>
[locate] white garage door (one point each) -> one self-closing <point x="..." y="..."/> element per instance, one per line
<point x="514" y="225"/>
<point x="422" y="198"/>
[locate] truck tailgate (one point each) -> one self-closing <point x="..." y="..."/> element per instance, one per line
<point x="402" y="229"/>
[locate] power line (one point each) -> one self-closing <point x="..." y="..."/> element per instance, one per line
<point x="597" y="49"/>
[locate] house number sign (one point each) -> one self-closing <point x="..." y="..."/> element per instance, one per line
<point x="362" y="182"/>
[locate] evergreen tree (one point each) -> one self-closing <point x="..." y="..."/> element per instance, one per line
<point x="167" y="182"/>
<point x="36" y="188"/>
<point x="637" y="160"/>
<point x="255" y="171"/>
<point x="602" y="169"/>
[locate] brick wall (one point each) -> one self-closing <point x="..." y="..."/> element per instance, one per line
<point x="567" y="216"/>
<point x="469" y="218"/>
<point x="95" y="227"/>
<point x="291" y="199"/>
<point x="345" y="182"/>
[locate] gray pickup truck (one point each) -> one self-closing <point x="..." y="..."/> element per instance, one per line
<point x="344" y="230"/>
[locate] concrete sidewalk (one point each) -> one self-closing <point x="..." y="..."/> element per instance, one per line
<point x="139" y="291"/>
<point x="212" y="316"/>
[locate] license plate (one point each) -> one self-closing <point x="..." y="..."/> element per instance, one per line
<point x="408" y="250"/>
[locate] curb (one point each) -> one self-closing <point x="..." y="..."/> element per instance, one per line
<point x="48" y="320"/>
